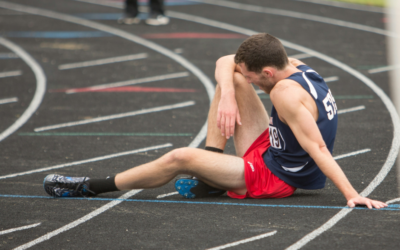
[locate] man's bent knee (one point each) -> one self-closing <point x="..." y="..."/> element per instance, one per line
<point x="178" y="157"/>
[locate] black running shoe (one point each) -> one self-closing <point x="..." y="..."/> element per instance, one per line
<point x="194" y="188"/>
<point x="63" y="186"/>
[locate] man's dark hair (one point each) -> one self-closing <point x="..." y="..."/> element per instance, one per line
<point x="261" y="50"/>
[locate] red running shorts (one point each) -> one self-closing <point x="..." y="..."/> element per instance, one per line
<point x="261" y="183"/>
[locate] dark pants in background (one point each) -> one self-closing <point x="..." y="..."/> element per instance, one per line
<point x="156" y="7"/>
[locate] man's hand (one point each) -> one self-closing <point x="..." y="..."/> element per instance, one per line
<point x="228" y="115"/>
<point x="365" y="201"/>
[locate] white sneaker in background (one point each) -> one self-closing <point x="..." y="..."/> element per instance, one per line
<point x="156" y="20"/>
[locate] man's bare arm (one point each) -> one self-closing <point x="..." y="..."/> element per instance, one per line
<point x="290" y="107"/>
<point x="228" y="111"/>
<point x="295" y="62"/>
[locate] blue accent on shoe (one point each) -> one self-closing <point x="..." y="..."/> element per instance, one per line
<point x="183" y="186"/>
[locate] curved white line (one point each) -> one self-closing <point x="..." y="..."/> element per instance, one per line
<point x="346" y="5"/>
<point x="378" y="91"/>
<point x="293" y="14"/>
<point x="79" y="221"/>
<point x="123" y="34"/>
<point x="40" y="87"/>
<point x="389" y="105"/>
<point x="185" y="63"/>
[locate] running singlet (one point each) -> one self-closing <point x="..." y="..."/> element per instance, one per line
<point x="286" y="158"/>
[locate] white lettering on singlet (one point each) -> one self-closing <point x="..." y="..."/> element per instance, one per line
<point x="330" y="105"/>
<point x="274" y="137"/>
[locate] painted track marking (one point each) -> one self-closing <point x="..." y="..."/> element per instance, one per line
<point x="346" y="5"/>
<point x="117" y="116"/>
<point x="261" y="236"/>
<point x="102" y="134"/>
<point x="343" y="111"/>
<point x="201" y="76"/>
<point x="384" y="69"/>
<point x="8" y="100"/>
<point x="293" y="14"/>
<point x="331" y="79"/>
<point x="393" y="201"/>
<point x="79" y="221"/>
<point x="40" y="87"/>
<point x="18" y="229"/>
<point x="101" y="158"/>
<point x="132" y="82"/>
<point x="208" y="85"/>
<point x="394" y="207"/>
<point x="10" y="73"/>
<point x="102" y="61"/>
<point x="301" y="56"/>
<point x="395" y="143"/>
<point x="394" y="150"/>
<point x="166" y="195"/>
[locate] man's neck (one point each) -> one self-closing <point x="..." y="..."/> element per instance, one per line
<point x="285" y="73"/>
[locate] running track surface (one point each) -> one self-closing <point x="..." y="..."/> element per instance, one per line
<point x="82" y="95"/>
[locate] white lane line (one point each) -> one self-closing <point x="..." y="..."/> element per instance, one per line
<point x="117" y="116"/>
<point x="10" y="73"/>
<point x="79" y="221"/>
<point x="102" y="61"/>
<point x="165" y="195"/>
<point x="261" y="236"/>
<point x="383" y="69"/>
<point x="363" y="151"/>
<point x="8" y="100"/>
<point x="182" y="61"/>
<point x="393" y="201"/>
<point x="346" y="5"/>
<point x="394" y="150"/>
<point x="101" y="158"/>
<point x="40" y="87"/>
<point x="133" y="82"/>
<point x="293" y="14"/>
<point x="343" y="111"/>
<point x="208" y="85"/>
<point x="301" y="56"/>
<point x="331" y="79"/>
<point x="18" y="229"/>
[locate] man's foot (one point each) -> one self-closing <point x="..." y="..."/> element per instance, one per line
<point x="63" y="186"/>
<point x="129" y="20"/>
<point x="194" y="188"/>
<point x="157" y="19"/>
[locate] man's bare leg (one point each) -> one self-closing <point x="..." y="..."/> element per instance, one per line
<point x="221" y="171"/>
<point x="214" y="137"/>
<point x="254" y="117"/>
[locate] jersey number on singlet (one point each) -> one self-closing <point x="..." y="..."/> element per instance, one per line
<point x="330" y="105"/>
<point x="274" y="137"/>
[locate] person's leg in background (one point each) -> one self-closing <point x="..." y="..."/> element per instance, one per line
<point x="157" y="16"/>
<point x="131" y="13"/>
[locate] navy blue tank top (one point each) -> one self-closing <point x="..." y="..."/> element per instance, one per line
<point x="286" y="158"/>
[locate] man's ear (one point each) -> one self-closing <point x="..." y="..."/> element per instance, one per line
<point x="268" y="72"/>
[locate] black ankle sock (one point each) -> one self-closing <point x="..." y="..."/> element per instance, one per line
<point x="103" y="185"/>
<point x="214" y="149"/>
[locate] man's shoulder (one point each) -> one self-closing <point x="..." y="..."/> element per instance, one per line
<point x="286" y="89"/>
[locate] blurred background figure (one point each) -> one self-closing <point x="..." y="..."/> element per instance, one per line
<point x="156" y="15"/>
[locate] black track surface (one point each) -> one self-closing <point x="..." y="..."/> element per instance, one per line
<point x="149" y="225"/>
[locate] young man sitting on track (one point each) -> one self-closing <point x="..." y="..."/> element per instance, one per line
<point x="274" y="155"/>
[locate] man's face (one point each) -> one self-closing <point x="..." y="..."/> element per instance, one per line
<point x="257" y="79"/>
